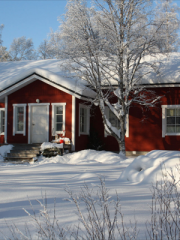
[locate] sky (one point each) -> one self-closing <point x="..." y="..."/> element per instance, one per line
<point x="32" y="19"/>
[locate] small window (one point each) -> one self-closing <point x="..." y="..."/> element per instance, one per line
<point x="19" y="119"/>
<point x="58" y="118"/>
<point x="113" y="120"/>
<point x="173" y="120"/>
<point x="2" y="121"/>
<point x="83" y="119"/>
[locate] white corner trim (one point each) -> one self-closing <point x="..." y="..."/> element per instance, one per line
<point x="163" y="121"/>
<point x="88" y="119"/>
<point x="64" y="117"/>
<point x="73" y="130"/>
<point x="14" y="119"/>
<point x="6" y="118"/>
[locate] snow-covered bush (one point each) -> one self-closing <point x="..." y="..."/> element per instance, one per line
<point x="100" y="218"/>
<point x="165" y="208"/>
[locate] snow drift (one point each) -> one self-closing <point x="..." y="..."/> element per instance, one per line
<point x="152" y="166"/>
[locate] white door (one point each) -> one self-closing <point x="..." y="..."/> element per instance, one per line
<point x="39" y="124"/>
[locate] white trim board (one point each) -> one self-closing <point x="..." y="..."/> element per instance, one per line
<point x="6" y="118"/>
<point x="73" y="125"/>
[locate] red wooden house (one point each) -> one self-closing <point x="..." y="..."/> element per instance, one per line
<point x="37" y="101"/>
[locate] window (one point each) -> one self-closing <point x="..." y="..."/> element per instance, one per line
<point x="19" y="119"/>
<point x="58" y="118"/>
<point x="115" y="122"/>
<point x="84" y="119"/>
<point x="2" y="121"/>
<point x="173" y="120"/>
<point x="170" y="120"/>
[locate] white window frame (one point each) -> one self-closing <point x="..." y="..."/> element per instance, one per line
<point x="53" y="118"/>
<point x="164" y="117"/>
<point x="2" y="109"/>
<point x="88" y="119"/>
<point x="15" y="117"/>
<point x="127" y="122"/>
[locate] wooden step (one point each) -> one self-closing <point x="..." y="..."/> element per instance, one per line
<point x="23" y="152"/>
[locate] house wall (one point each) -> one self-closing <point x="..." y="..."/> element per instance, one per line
<point x="145" y="127"/>
<point x="46" y="94"/>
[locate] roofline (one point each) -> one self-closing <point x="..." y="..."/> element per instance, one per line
<point x="47" y="79"/>
<point x="151" y="85"/>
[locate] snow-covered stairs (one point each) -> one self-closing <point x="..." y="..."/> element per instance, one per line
<point x="23" y="152"/>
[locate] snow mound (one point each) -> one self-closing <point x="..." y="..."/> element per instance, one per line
<point x="4" y="150"/>
<point x="46" y="145"/>
<point x="152" y="166"/>
<point x="85" y="157"/>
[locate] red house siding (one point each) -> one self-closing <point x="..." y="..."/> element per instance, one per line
<point x="145" y="127"/>
<point x="46" y="94"/>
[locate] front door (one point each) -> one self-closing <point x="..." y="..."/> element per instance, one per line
<point x="39" y="124"/>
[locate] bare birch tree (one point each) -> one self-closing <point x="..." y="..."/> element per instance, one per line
<point x="22" y="49"/>
<point x="4" y="55"/>
<point x="108" y="45"/>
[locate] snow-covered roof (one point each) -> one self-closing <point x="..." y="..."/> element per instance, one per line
<point x="168" y="67"/>
<point x="12" y="73"/>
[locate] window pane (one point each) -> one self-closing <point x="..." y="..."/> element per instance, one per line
<point x="59" y="127"/>
<point x="170" y="129"/>
<point x="59" y="118"/>
<point x="170" y="120"/>
<point x="20" y="118"/>
<point x="178" y="112"/>
<point x="170" y="112"/>
<point x="113" y="120"/>
<point x="59" y="110"/>
<point x="178" y="129"/>
<point x="177" y="120"/>
<point x="83" y="120"/>
<point x="20" y="126"/>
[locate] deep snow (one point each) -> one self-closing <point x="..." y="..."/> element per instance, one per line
<point x="20" y="182"/>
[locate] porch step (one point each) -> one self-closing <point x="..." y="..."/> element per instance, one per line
<point x="23" y="152"/>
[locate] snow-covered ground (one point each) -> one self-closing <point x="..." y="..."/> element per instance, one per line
<point x="50" y="176"/>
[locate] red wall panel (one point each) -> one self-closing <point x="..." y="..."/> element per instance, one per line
<point x="145" y="126"/>
<point x="46" y="94"/>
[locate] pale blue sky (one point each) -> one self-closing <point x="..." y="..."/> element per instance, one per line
<point x="32" y="19"/>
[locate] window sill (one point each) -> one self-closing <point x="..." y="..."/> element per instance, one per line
<point x="172" y="134"/>
<point x="19" y="132"/>
<point x="81" y="133"/>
